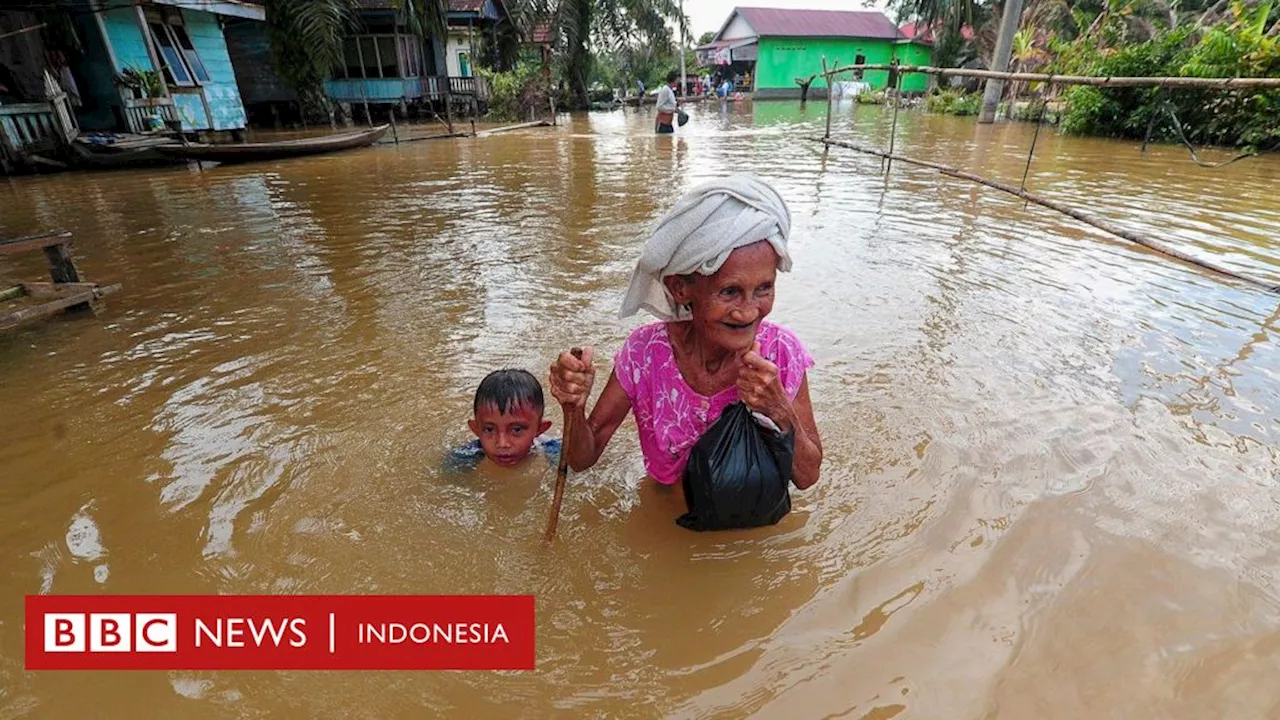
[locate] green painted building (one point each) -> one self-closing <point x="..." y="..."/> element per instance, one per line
<point x="764" y="50"/>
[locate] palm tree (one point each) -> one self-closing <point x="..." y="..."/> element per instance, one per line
<point x="944" y="17"/>
<point x="579" y="26"/>
<point x="307" y="36"/>
<point x="1027" y="56"/>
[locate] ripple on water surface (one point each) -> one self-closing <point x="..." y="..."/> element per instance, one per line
<point x="1049" y="453"/>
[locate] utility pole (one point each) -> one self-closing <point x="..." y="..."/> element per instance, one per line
<point x="683" y="80"/>
<point x="1000" y="62"/>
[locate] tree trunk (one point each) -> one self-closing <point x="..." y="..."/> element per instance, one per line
<point x="1000" y="62"/>
<point x="579" y="65"/>
<point x="804" y="87"/>
<point x="1212" y="12"/>
<point x="1096" y="25"/>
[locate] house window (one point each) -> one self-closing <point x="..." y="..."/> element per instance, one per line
<point x="189" y="52"/>
<point x="410" y="56"/>
<point x="351" y="58"/>
<point x="380" y="56"/>
<point x="178" y="57"/>
<point x="387" y="56"/>
<point x="370" y="67"/>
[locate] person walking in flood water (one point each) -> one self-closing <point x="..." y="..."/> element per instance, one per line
<point x="667" y="106"/>
<point x="707" y="273"/>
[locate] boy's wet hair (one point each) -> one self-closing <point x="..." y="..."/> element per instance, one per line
<point x="509" y="388"/>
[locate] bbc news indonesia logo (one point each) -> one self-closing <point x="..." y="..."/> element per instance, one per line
<point x="280" y="632"/>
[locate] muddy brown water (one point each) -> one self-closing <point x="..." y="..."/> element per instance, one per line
<point x="1050" y="487"/>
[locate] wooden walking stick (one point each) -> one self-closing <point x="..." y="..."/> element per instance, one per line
<point x="562" y="472"/>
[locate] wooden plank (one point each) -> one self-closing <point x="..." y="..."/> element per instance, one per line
<point x="25" y="109"/>
<point x="48" y="162"/>
<point x="34" y="242"/>
<point x="36" y="312"/>
<point x="54" y="290"/>
<point x="509" y="128"/>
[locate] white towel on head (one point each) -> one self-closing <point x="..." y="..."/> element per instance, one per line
<point x="707" y="224"/>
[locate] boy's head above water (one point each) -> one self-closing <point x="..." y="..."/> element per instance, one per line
<point x="508" y="415"/>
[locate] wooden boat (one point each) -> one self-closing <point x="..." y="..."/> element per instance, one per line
<point x="123" y="151"/>
<point x="250" y="152"/>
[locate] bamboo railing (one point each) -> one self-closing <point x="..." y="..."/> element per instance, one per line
<point x="1133" y="236"/>
<point x="1169" y="82"/>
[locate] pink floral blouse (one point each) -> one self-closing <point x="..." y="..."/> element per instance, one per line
<point x="670" y="416"/>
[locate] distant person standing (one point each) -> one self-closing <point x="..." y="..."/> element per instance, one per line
<point x="666" y="105"/>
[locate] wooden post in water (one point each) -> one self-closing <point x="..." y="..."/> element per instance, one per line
<point x="828" y="79"/>
<point x="391" y="115"/>
<point x="448" y="104"/>
<point x="893" y="132"/>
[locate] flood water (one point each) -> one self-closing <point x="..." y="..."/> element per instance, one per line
<point x="1051" y="477"/>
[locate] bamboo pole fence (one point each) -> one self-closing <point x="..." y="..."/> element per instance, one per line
<point x="1168" y="82"/>
<point x="1143" y="239"/>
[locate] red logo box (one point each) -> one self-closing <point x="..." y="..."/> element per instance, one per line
<point x="280" y="632"/>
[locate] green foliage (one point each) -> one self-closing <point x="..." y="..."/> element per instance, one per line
<point x="871" y="98"/>
<point x="621" y="68"/>
<point x="513" y="94"/>
<point x="148" y="83"/>
<point x="1031" y="111"/>
<point x="954" y="102"/>
<point x="306" y="37"/>
<point x="1240" y="48"/>
<point x="588" y="29"/>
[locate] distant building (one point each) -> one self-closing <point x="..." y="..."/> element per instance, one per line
<point x="386" y="64"/>
<point x="128" y="67"/>
<point x="770" y="48"/>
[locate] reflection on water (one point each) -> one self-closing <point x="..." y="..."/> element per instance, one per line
<point x="1051" y="455"/>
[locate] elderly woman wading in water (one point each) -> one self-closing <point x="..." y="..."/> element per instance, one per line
<point x="708" y="274"/>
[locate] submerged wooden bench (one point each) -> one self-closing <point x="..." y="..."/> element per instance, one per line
<point x="28" y="301"/>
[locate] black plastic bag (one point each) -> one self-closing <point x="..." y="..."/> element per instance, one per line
<point x="738" y="474"/>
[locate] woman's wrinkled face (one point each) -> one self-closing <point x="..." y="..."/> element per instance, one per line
<point x="727" y="307"/>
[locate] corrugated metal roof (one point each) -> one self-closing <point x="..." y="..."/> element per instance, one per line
<point x="473" y="6"/>
<point x="776" y="22"/>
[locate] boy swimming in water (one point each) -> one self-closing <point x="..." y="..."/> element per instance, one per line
<point x="507" y="422"/>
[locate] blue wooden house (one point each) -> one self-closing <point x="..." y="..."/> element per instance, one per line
<point x="151" y="63"/>
<point x="386" y="64"/>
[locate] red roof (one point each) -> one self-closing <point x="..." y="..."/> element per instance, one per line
<point x="775" y="22"/>
<point x="913" y="31"/>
